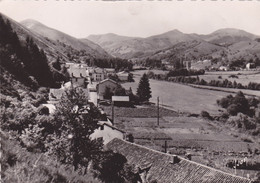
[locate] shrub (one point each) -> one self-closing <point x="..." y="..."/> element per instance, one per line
<point x="205" y="114"/>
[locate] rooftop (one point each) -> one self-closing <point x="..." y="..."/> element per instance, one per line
<point x="163" y="170"/>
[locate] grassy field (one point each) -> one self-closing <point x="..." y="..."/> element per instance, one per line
<point x="244" y="77"/>
<point x="180" y="97"/>
<point x="184" y="98"/>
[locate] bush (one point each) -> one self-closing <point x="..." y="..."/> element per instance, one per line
<point x="205" y="114"/>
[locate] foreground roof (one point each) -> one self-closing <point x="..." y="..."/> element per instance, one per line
<point x="163" y="170"/>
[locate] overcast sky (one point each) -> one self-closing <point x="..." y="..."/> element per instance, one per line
<point x="142" y="19"/>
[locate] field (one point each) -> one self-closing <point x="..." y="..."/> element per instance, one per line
<point x="244" y="77"/>
<point x="209" y="142"/>
<point x="180" y="97"/>
<point x="183" y="98"/>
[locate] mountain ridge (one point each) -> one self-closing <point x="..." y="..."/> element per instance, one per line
<point x="58" y="36"/>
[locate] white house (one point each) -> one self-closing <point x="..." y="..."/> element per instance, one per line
<point x="107" y="132"/>
<point x="223" y="68"/>
<point x="97" y="74"/>
<point x="250" y="66"/>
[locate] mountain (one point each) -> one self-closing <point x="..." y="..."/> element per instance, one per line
<point x="228" y="36"/>
<point x="223" y="45"/>
<point x="131" y="47"/>
<point x="65" y="40"/>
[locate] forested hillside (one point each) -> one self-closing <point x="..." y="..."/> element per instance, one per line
<point x="24" y="61"/>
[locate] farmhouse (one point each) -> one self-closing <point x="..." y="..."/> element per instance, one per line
<point x="97" y="74"/>
<point x="250" y="66"/>
<point x="123" y="76"/>
<point x="107" y="132"/>
<point x="167" y="168"/>
<point x="78" y="76"/>
<point x="107" y="83"/>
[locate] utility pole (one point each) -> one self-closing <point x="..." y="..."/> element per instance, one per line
<point x="158" y="112"/>
<point x="165" y="146"/>
<point x="113" y="112"/>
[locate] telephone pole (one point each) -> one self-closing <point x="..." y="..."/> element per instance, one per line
<point x="113" y="112"/>
<point x="158" y="112"/>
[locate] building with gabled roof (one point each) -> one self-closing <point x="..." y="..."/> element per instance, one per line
<point x="123" y="76"/>
<point x="167" y="168"/>
<point x="107" y="132"/>
<point x="78" y="76"/>
<point x="107" y="83"/>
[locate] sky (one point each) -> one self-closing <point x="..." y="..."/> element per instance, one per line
<point x="81" y="18"/>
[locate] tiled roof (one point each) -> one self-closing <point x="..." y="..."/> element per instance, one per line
<point x="77" y="72"/>
<point x="105" y="80"/>
<point x="164" y="171"/>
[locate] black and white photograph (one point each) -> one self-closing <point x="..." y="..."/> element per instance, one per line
<point x="130" y="91"/>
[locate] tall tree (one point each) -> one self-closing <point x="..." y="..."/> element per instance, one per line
<point x="74" y="121"/>
<point x="144" y="90"/>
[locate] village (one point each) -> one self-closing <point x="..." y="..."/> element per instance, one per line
<point x="95" y="83"/>
<point x="120" y="92"/>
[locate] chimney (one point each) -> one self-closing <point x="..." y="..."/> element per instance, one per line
<point x="175" y="159"/>
<point x="188" y="156"/>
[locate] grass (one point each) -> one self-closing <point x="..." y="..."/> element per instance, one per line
<point x="183" y="98"/>
<point x="19" y="165"/>
<point x="244" y="77"/>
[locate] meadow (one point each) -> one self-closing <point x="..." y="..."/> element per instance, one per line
<point x="187" y="99"/>
<point x="180" y="98"/>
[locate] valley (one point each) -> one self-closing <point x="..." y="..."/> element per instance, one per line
<point x="195" y="121"/>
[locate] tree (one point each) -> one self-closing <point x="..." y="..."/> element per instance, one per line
<point x="112" y="167"/>
<point x="144" y="90"/>
<point x="74" y="121"/>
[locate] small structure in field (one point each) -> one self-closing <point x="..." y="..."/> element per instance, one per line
<point x="121" y="101"/>
<point x="123" y="76"/>
<point x="223" y="68"/>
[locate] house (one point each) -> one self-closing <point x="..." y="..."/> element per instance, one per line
<point x="97" y="74"/>
<point x="78" y="76"/>
<point x="121" y="100"/>
<point x="107" y="83"/>
<point x="123" y="76"/>
<point x="110" y="70"/>
<point x="250" y="66"/>
<point x="223" y="68"/>
<point x="168" y="168"/>
<point x="187" y="65"/>
<point x="107" y="132"/>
